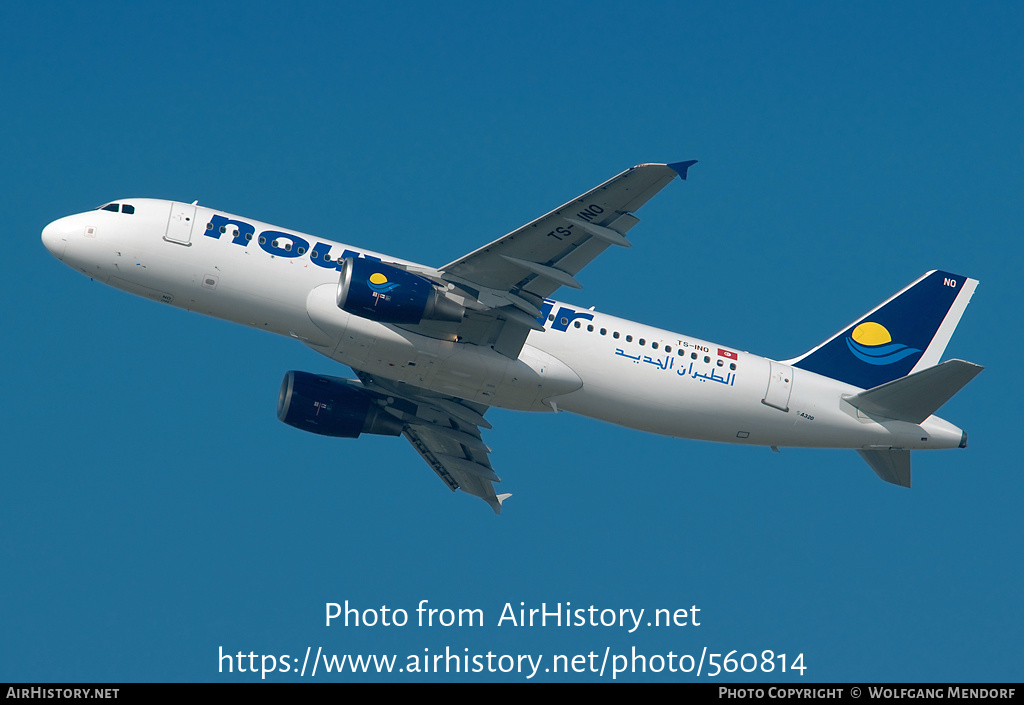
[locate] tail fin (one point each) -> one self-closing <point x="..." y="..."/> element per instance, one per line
<point x="905" y="334"/>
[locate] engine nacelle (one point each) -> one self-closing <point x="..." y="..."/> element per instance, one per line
<point x="332" y="406"/>
<point x="380" y="292"/>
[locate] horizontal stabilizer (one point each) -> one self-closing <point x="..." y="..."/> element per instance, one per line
<point x="917" y="396"/>
<point x="890" y="465"/>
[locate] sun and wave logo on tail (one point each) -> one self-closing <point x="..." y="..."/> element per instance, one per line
<point x="872" y="343"/>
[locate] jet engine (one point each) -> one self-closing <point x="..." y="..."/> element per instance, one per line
<point x="383" y="293"/>
<point x="331" y="406"/>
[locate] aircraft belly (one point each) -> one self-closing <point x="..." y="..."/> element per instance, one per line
<point x="472" y="372"/>
<point x="536" y="380"/>
<point x="666" y="409"/>
<point x="703" y="403"/>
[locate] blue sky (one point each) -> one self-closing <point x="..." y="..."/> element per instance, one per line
<point x="152" y="508"/>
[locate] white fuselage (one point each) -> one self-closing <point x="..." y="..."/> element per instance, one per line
<point x="585" y="362"/>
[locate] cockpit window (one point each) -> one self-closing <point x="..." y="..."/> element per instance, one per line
<point x="115" y="207"/>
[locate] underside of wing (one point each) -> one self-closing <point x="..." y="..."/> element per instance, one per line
<point x="458" y="465"/>
<point x="445" y="431"/>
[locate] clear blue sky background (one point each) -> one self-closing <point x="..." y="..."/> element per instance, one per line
<point x="153" y="509"/>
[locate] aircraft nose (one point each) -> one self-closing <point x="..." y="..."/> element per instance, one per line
<point x="55" y="239"/>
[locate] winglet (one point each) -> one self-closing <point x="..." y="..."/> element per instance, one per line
<point x="498" y="501"/>
<point x="682" y="167"/>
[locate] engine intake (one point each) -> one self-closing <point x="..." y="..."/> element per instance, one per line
<point x="380" y="292"/>
<point x="331" y="406"/>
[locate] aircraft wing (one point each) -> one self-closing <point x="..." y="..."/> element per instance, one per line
<point x="548" y="252"/>
<point x="504" y="283"/>
<point x="445" y="431"/>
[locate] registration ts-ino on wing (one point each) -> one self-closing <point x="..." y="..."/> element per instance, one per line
<point x="433" y="348"/>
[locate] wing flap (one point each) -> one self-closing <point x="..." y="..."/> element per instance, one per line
<point x="459" y="467"/>
<point x="445" y="431"/>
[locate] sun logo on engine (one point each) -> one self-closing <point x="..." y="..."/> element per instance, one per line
<point x="381" y="287"/>
<point x="872" y="343"/>
<point x="380" y="284"/>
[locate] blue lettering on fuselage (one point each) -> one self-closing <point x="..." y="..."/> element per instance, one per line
<point x="271" y="242"/>
<point x="563" y="318"/>
<point x="280" y="244"/>
<point x="321" y="257"/>
<point x="220" y="225"/>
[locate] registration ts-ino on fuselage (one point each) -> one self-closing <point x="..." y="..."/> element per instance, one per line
<point x="434" y="348"/>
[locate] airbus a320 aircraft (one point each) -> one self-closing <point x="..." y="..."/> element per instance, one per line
<point x="434" y="348"/>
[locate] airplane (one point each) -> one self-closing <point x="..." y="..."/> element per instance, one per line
<point x="434" y="348"/>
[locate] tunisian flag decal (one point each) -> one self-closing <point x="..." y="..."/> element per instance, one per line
<point x="727" y="353"/>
